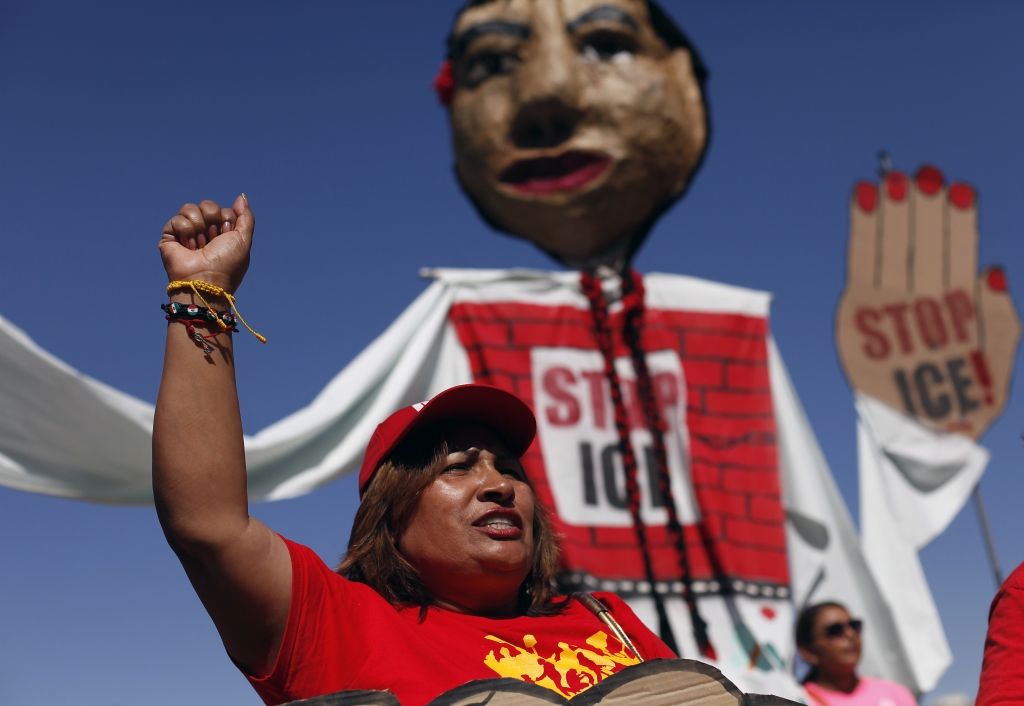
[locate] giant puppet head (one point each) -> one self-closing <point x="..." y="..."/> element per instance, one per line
<point x="575" y="123"/>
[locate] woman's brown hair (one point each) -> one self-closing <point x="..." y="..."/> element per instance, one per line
<point x="373" y="557"/>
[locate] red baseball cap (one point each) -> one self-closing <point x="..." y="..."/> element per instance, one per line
<point x="506" y="414"/>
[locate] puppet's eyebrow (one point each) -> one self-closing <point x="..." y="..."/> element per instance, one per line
<point x="509" y="29"/>
<point x="603" y="13"/>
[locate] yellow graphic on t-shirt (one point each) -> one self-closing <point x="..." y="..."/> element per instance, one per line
<point x="567" y="671"/>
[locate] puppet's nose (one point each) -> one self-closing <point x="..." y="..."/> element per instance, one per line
<point x="544" y="123"/>
<point x="547" y="87"/>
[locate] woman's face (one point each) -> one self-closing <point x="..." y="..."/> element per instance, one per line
<point x="471" y="534"/>
<point x="829" y="651"/>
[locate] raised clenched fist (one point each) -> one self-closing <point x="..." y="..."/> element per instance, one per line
<point x="917" y="327"/>
<point x="209" y="243"/>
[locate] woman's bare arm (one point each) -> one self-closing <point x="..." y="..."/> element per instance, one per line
<point x="239" y="567"/>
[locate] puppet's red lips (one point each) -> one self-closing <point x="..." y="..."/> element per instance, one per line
<point x="568" y="171"/>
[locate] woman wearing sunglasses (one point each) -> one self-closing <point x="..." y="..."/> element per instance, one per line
<point x="829" y="640"/>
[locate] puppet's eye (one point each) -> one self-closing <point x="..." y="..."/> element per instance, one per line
<point x="482" y="66"/>
<point x="608" y="47"/>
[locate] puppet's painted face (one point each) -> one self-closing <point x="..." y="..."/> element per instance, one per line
<point x="573" y="122"/>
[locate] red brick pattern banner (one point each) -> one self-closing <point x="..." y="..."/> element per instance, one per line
<point x="734" y="461"/>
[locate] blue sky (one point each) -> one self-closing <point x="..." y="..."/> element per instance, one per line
<point x="114" y="114"/>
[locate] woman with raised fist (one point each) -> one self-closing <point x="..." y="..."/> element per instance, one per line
<point x="450" y="569"/>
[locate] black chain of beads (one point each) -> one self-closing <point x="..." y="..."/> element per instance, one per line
<point x="591" y="287"/>
<point x="633" y="298"/>
<point x="633" y="314"/>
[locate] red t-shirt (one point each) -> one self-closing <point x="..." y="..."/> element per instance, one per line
<point x="343" y="635"/>
<point x="1002" y="670"/>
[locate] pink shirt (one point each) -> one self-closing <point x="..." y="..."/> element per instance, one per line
<point x="869" y="692"/>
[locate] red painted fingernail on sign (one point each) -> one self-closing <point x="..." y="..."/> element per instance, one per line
<point x="867" y="196"/>
<point x="961" y="195"/>
<point x="929" y="180"/>
<point x="896" y="185"/>
<point x="997" y="279"/>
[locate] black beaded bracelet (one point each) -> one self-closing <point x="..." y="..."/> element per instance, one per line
<point x="193" y="312"/>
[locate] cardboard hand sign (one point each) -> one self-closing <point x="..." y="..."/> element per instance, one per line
<point x="918" y="328"/>
<point x="660" y="682"/>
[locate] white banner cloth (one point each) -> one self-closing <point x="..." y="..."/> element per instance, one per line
<point x="825" y="559"/>
<point x="63" y="433"/>
<point x="913" y="482"/>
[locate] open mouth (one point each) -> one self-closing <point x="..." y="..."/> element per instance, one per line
<point x="568" y="171"/>
<point x="501" y="523"/>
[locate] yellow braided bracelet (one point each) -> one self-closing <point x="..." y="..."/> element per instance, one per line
<point x="198" y="286"/>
